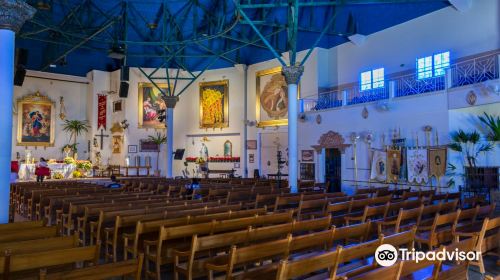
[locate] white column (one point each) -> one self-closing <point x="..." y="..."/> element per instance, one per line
<point x="13" y="14"/>
<point x="170" y="141"/>
<point x="7" y="37"/>
<point x="321" y="166"/>
<point x="292" y="76"/>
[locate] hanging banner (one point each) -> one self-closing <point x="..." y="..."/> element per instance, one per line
<point x="101" y="111"/>
<point x="393" y="165"/>
<point x="417" y="166"/>
<point x="437" y="162"/>
<point x="378" y="171"/>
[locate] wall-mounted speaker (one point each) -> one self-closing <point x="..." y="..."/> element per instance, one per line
<point x="123" y="93"/>
<point x="125" y="73"/>
<point x="21" y="60"/>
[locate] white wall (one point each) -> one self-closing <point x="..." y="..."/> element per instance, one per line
<point x="462" y="33"/>
<point x="74" y="90"/>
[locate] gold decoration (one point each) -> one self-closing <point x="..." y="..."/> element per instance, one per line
<point x="35" y="120"/>
<point x="116" y="128"/>
<point x="214" y="104"/>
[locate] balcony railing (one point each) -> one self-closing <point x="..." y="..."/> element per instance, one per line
<point x="474" y="71"/>
<point x="410" y="85"/>
<point x="467" y="72"/>
<point x="356" y="96"/>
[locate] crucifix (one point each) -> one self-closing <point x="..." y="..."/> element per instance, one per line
<point x="102" y="135"/>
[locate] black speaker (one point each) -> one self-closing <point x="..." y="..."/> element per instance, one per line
<point x="123" y="89"/>
<point x="19" y="75"/>
<point x="125" y="73"/>
<point x="21" y="60"/>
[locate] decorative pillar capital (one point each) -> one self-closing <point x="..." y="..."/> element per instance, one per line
<point x="170" y="100"/>
<point x="292" y="73"/>
<point x="14" y="13"/>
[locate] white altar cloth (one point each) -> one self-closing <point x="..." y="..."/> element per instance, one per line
<point x="27" y="171"/>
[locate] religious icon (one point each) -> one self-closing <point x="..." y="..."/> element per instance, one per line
<point x="437" y="162"/>
<point x="251" y="158"/>
<point x="417" y="166"/>
<point x="204" y="152"/>
<point x="150" y="104"/>
<point x="228" y="149"/>
<point x="35" y="121"/>
<point x="214" y="104"/>
<point x="117" y="144"/>
<point x="378" y="171"/>
<point x="394" y="162"/>
<point x="272" y="98"/>
<point x="308" y="155"/>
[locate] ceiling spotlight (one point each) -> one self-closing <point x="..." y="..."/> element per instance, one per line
<point x="42" y="5"/>
<point x="116" y="52"/>
<point x="152" y="25"/>
<point x="52" y="65"/>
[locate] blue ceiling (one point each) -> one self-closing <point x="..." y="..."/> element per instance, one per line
<point x="76" y="36"/>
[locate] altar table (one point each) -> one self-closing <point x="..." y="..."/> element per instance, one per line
<point x="27" y="171"/>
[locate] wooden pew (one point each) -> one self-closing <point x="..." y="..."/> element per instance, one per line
<point x="440" y="230"/>
<point x="294" y="269"/>
<point x="21" y="263"/>
<point x="99" y="272"/>
<point x="29" y="234"/>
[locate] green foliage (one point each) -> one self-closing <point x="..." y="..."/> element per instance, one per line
<point x="468" y="143"/>
<point x="73" y="147"/>
<point x="158" y="139"/>
<point x="75" y="129"/>
<point x="494" y="126"/>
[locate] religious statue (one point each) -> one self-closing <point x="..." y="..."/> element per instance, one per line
<point x="204" y="152"/>
<point x="228" y="149"/>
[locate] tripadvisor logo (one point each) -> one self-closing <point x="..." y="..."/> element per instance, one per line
<point x="387" y="255"/>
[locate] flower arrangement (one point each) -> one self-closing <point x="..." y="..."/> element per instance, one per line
<point x="84" y="164"/>
<point x="200" y="160"/>
<point x="69" y="160"/>
<point x="52" y="161"/>
<point x="57" y="175"/>
<point x="77" y="174"/>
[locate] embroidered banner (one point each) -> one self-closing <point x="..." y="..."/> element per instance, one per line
<point x="417" y="166"/>
<point x="378" y="171"/>
<point x="393" y="165"/>
<point x="101" y="111"/>
<point x="437" y="162"/>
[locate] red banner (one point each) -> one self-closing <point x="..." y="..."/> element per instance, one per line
<point x="101" y="111"/>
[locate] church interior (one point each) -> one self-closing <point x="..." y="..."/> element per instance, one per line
<point x="250" y="139"/>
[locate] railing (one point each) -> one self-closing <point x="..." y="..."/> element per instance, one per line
<point x="474" y="71"/>
<point x="356" y="96"/>
<point x="409" y="85"/>
<point x="467" y="72"/>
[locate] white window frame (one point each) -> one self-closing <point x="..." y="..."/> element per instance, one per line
<point x="372" y="79"/>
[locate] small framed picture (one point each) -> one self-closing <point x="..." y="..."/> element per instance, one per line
<point x="117" y="106"/>
<point x="252" y="144"/>
<point x="236" y="165"/>
<point x="251" y="158"/>
<point x="132" y="149"/>
<point x="308" y="155"/>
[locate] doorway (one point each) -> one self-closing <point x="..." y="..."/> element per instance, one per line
<point x="333" y="169"/>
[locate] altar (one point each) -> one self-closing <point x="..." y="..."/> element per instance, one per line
<point x="27" y="171"/>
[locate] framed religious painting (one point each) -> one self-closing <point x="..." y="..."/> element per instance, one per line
<point x="146" y="145"/>
<point x="252" y="144"/>
<point x="272" y="98"/>
<point x="35" y="121"/>
<point x="308" y="155"/>
<point x="149" y="105"/>
<point x="214" y="104"/>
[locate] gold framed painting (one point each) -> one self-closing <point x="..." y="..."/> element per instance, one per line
<point x="35" y="121"/>
<point x="272" y="98"/>
<point x="149" y="105"/>
<point x="214" y="104"/>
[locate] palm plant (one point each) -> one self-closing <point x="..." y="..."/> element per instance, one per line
<point x="468" y="144"/>
<point x="159" y="139"/>
<point x="75" y="129"/>
<point x="493" y="124"/>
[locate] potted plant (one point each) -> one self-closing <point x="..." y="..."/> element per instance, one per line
<point x="493" y="124"/>
<point x="470" y="147"/>
<point x="75" y="129"/>
<point x="159" y="139"/>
